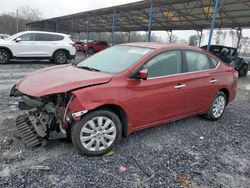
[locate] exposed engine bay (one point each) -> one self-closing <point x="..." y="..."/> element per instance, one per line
<point x="44" y="118"/>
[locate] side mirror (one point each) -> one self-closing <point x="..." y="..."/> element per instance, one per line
<point x="143" y="74"/>
<point x="18" y="39"/>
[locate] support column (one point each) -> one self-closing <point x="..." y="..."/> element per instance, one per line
<point x="212" y="24"/>
<point x="129" y="36"/>
<point x="72" y="28"/>
<point x="150" y="20"/>
<point x="87" y="29"/>
<point x="46" y="25"/>
<point x="239" y="33"/>
<point x="57" y="25"/>
<point x="200" y="34"/>
<point x="170" y="34"/>
<point x="99" y="36"/>
<point x="87" y="32"/>
<point x="113" y="28"/>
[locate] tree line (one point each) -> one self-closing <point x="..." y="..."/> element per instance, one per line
<point x="13" y="22"/>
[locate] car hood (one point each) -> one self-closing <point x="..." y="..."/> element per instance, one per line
<point x="59" y="79"/>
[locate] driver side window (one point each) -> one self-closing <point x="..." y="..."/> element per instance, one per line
<point x="166" y="63"/>
<point x="27" y="37"/>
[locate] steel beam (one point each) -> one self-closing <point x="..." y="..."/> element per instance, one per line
<point x="113" y="28"/>
<point x="213" y="24"/>
<point x="150" y="20"/>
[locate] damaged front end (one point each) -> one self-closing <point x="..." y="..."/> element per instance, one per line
<point x="44" y="118"/>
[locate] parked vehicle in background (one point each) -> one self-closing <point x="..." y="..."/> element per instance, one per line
<point x="56" y="47"/>
<point x="3" y="36"/>
<point x="230" y="56"/>
<point x="123" y="89"/>
<point x="94" y="46"/>
<point x="247" y="60"/>
<point x="79" y="46"/>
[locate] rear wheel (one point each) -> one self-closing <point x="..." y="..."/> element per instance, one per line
<point x="96" y="133"/>
<point x="243" y="71"/>
<point x="4" y="56"/>
<point x="217" y="106"/>
<point x="60" y="57"/>
<point x="90" y="51"/>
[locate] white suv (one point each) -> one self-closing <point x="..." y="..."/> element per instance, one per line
<point x="57" y="47"/>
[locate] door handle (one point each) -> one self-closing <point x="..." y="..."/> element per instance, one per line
<point x="213" y="81"/>
<point x="180" y="86"/>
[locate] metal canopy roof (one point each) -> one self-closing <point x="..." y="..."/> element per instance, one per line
<point x="167" y="15"/>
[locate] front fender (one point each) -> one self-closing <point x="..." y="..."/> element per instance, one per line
<point x="93" y="97"/>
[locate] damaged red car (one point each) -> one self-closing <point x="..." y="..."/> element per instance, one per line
<point x="121" y="90"/>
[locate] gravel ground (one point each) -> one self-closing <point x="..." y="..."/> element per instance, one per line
<point x="189" y="153"/>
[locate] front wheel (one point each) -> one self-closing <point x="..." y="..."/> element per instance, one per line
<point x="60" y="57"/>
<point x="217" y="106"/>
<point x="96" y="133"/>
<point x="4" y="56"/>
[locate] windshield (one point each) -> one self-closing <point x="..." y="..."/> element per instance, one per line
<point x="115" y="59"/>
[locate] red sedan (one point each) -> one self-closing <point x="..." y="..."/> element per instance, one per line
<point x="121" y="90"/>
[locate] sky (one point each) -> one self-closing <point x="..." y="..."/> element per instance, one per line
<point x="54" y="8"/>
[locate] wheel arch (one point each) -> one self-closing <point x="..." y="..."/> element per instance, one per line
<point x="120" y="112"/>
<point x="61" y="49"/>
<point x="8" y="50"/>
<point x="226" y="92"/>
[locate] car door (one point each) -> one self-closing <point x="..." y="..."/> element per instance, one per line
<point x="46" y="44"/>
<point x="161" y="96"/>
<point x="26" y="47"/>
<point x="199" y="81"/>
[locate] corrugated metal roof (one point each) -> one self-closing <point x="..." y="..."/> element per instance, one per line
<point x="168" y="15"/>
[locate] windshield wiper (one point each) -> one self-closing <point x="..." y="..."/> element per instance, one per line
<point x="89" y="68"/>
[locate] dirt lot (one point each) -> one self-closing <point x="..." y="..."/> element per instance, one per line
<point x="190" y="153"/>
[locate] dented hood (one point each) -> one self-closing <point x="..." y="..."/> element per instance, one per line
<point x="59" y="79"/>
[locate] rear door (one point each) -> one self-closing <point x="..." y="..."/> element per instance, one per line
<point x="199" y="80"/>
<point x="46" y="44"/>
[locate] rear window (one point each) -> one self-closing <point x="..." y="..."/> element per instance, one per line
<point x="48" y="37"/>
<point x="197" y="61"/>
<point x="214" y="62"/>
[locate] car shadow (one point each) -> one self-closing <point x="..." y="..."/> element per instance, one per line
<point x="30" y="62"/>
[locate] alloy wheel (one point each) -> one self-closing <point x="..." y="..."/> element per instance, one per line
<point x="3" y="57"/>
<point x="61" y="58"/>
<point x="98" y="134"/>
<point x="219" y="106"/>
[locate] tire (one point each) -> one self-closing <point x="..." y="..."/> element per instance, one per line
<point x="243" y="71"/>
<point x="88" y="127"/>
<point x="215" y="112"/>
<point x="90" y="51"/>
<point x="60" y="57"/>
<point x="4" y="56"/>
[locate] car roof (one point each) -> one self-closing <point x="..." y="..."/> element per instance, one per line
<point x="219" y="46"/>
<point x="159" y="46"/>
<point x="44" y="32"/>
